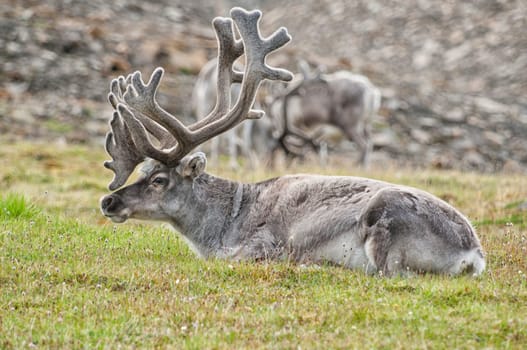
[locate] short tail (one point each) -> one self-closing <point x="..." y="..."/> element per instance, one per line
<point x="473" y="262"/>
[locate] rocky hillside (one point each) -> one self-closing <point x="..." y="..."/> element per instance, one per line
<point x="453" y="73"/>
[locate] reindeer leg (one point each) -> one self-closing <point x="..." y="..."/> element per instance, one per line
<point x="355" y="134"/>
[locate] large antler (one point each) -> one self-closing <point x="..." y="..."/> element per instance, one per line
<point x="138" y="115"/>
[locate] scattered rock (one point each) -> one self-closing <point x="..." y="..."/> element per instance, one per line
<point x="421" y="136"/>
<point x="487" y="105"/>
<point x="449" y="101"/>
<point x="493" y="138"/>
<point x="456" y="115"/>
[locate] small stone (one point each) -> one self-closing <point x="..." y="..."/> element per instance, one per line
<point x="495" y="139"/>
<point x="455" y="115"/>
<point x="421" y="136"/>
<point x="490" y="106"/>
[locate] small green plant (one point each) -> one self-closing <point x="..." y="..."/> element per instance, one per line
<point x="14" y="205"/>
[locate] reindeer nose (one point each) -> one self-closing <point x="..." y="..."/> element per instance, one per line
<point x="108" y="202"/>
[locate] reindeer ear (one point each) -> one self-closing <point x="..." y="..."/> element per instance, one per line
<point x="192" y="165"/>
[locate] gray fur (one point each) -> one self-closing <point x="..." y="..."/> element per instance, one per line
<point x="342" y="99"/>
<point x="355" y="222"/>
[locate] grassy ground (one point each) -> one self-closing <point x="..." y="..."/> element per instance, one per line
<point x="71" y="279"/>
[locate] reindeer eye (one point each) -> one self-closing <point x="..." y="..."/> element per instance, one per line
<point x="159" y="181"/>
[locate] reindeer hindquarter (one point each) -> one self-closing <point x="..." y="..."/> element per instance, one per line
<point x="404" y="232"/>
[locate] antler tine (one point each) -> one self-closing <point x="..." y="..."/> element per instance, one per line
<point x="121" y="145"/>
<point x="256" y="70"/>
<point x="229" y="49"/>
<point x="124" y="153"/>
<point x="116" y="96"/>
<point x="140" y="138"/>
<point x="257" y="48"/>
<point x="141" y="97"/>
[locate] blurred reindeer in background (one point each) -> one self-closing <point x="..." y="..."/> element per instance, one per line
<point x="297" y="115"/>
<point x="342" y="99"/>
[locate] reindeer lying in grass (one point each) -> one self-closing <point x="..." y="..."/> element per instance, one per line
<point x="356" y="222"/>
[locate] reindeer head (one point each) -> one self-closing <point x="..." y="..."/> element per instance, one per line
<point x="141" y="129"/>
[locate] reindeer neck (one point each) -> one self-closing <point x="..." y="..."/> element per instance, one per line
<point x="212" y="204"/>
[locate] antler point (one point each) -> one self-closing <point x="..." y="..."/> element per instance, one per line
<point x="218" y="21"/>
<point x="121" y="108"/>
<point x="113" y="186"/>
<point x="239" y="11"/>
<point x="255" y="114"/>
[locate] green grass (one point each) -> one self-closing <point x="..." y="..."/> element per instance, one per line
<point x="71" y="279"/>
<point x="14" y="206"/>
